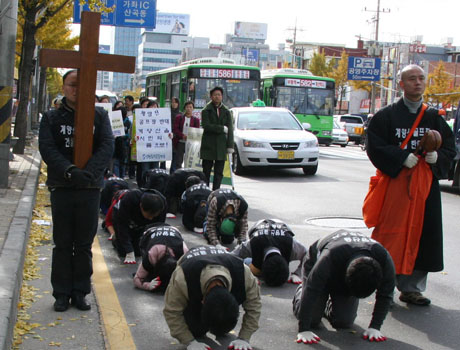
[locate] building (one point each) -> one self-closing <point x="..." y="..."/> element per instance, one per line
<point x="126" y="41"/>
<point x="103" y="79"/>
<point x="163" y="47"/>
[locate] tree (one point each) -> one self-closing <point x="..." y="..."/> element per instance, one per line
<point x="318" y="65"/>
<point x="439" y="89"/>
<point x="134" y="93"/>
<point x="339" y="74"/>
<point x="33" y="16"/>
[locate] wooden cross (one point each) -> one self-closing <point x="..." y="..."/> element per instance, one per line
<point x="88" y="61"/>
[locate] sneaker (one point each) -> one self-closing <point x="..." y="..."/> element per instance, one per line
<point x="415" y="298"/>
<point x="170" y="216"/>
<point x="62" y="303"/>
<point x="197" y="230"/>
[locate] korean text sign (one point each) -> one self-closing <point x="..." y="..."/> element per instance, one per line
<point x="153" y="131"/>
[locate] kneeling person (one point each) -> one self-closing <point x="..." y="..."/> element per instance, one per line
<point x="272" y="246"/>
<point x="204" y="294"/>
<point x="161" y="246"/>
<point x="193" y="204"/>
<point x="133" y="212"/>
<point x="227" y="217"/>
<point x="339" y="270"/>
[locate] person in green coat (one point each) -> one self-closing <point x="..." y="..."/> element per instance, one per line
<point x="217" y="139"/>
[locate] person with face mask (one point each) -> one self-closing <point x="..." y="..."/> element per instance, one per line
<point x="227" y="217"/>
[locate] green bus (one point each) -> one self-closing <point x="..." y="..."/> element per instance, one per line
<point x="310" y="98"/>
<point x="192" y="80"/>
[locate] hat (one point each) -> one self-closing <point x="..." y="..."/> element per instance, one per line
<point x="227" y="227"/>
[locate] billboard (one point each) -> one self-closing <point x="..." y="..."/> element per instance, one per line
<point x="172" y="23"/>
<point x="250" y="30"/>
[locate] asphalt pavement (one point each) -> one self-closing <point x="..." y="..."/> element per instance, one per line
<point x="109" y="326"/>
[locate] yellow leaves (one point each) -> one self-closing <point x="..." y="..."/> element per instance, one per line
<point x="31" y="271"/>
<point x="58" y="344"/>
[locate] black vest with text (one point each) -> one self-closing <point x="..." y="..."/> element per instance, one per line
<point x="223" y="195"/>
<point x="270" y="233"/>
<point x="163" y="234"/>
<point x="198" y="258"/>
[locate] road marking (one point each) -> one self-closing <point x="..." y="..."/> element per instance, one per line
<point x="116" y="328"/>
<point x="336" y="153"/>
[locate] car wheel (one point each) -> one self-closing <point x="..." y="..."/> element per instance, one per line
<point x="310" y="170"/>
<point x="343" y="145"/>
<point x="238" y="168"/>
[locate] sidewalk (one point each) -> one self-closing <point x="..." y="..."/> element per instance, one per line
<point x="70" y="330"/>
<point x="16" y="205"/>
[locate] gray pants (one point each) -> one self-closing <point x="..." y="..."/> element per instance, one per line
<point x="416" y="282"/>
<point x="340" y="310"/>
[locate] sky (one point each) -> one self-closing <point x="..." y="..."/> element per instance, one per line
<point x="324" y="21"/>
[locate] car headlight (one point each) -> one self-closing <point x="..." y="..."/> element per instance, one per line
<point x="253" y="144"/>
<point x="326" y="132"/>
<point x="311" y="144"/>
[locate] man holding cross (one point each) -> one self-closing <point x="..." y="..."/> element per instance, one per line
<point x="75" y="195"/>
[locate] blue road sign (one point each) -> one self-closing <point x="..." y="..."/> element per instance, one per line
<point x="252" y="55"/>
<point x="364" y="68"/>
<point x="128" y="13"/>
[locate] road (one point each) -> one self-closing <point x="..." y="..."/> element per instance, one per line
<point x="313" y="206"/>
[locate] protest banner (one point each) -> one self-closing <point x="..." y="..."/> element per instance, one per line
<point x="153" y="134"/>
<point x="192" y="156"/>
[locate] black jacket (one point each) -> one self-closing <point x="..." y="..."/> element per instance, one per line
<point x="56" y="145"/>
<point x="324" y="272"/>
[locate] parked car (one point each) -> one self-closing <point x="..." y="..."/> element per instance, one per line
<point x="353" y="125"/>
<point x="339" y="136"/>
<point x="272" y="137"/>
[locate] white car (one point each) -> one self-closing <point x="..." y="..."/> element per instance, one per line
<point x="273" y="137"/>
<point x="339" y="136"/>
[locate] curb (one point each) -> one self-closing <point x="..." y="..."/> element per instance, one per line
<point x="13" y="254"/>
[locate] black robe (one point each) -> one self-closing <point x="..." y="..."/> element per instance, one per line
<point x="387" y="130"/>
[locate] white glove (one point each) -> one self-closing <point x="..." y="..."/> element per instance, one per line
<point x="155" y="283"/>
<point x="239" y="344"/>
<point x="195" y="345"/>
<point x="411" y="161"/>
<point x="294" y="279"/>
<point x="431" y="157"/>
<point x="373" y="334"/>
<point x="230" y="150"/>
<point x="225" y="129"/>
<point x="307" y="337"/>
<point x="130" y="258"/>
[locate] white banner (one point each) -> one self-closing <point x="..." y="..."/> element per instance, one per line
<point x="116" y="120"/>
<point x="153" y="134"/>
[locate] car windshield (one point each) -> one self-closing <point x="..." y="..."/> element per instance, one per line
<point x="267" y="120"/>
<point x="351" y="119"/>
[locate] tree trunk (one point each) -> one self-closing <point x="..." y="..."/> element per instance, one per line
<point x="25" y="73"/>
<point x="41" y="105"/>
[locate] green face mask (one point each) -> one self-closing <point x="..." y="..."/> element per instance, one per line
<point x="227" y="227"/>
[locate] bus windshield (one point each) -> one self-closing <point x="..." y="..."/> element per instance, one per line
<point x="300" y="100"/>
<point x="237" y="93"/>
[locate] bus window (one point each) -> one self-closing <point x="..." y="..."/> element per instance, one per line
<point x="175" y="85"/>
<point x="306" y="100"/>
<point x="237" y="93"/>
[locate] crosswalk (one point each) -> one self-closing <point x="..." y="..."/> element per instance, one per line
<point x="334" y="152"/>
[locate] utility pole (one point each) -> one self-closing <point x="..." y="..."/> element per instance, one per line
<point x="374" y="51"/>
<point x="8" y="23"/>
<point x="295" y="29"/>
